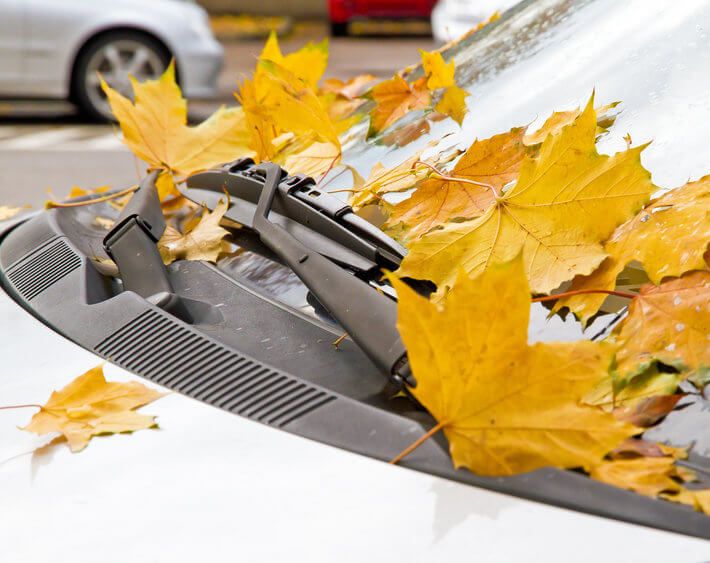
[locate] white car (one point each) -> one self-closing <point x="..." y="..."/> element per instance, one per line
<point x="273" y="444"/>
<point x="56" y="50"/>
<point x="452" y="18"/>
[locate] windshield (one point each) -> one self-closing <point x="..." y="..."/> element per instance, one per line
<point x="546" y="56"/>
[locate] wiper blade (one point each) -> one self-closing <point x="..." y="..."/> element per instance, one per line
<point x="319" y="220"/>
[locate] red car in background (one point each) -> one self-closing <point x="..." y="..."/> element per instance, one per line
<point x="344" y="11"/>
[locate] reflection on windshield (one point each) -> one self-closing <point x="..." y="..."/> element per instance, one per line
<point x="274" y="279"/>
<point x="552" y="54"/>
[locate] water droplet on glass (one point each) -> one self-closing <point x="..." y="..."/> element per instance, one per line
<point x="670" y="347"/>
<point x="677" y="301"/>
<point x="680" y="327"/>
<point x="645" y="218"/>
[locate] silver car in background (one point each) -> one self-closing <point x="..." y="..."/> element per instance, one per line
<point x="56" y="50"/>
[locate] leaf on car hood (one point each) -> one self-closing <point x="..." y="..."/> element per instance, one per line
<point x="441" y="74"/>
<point x="556" y="219"/>
<point x="395" y="98"/>
<point x="292" y="106"/>
<point x="560" y="119"/>
<point x="7" y="212"/>
<point x="90" y="406"/>
<point x="668" y="237"/>
<point x="204" y="241"/>
<point x="314" y="160"/>
<point x="350" y="89"/>
<point x="307" y="63"/>
<point x="505" y="407"/>
<point x="658" y="476"/>
<point x="669" y="323"/>
<point x="155" y="127"/>
<point x="648" y="476"/>
<point x="494" y="161"/>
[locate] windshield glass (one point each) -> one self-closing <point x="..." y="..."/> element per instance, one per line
<point x="551" y="55"/>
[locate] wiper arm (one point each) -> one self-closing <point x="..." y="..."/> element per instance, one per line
<point x="368" y="316"/>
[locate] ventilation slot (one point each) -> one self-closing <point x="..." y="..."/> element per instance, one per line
<point x="34" y="275"/>
<point x="158" y="348"/>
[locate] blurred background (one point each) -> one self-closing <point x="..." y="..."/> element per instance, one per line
<point x="54" y="120"/>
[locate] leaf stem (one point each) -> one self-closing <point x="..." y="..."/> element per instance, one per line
<point x="330" y="167"/>
<point x="457" y="179"/>
<point x="339" y="173"/>
<point x="344" y="191"/>
<point x="339" y="340"/>
<point x="625" y="294"/>
<point x="50" y="204"/>
<point x="414" y="445"/>
<point x="28" y="406"/>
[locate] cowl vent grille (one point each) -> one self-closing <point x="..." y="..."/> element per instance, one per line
<point x="158" y="348"/>
<point x="35" y="274"/>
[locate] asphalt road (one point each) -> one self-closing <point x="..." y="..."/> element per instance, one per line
<point x="48" y="146"/>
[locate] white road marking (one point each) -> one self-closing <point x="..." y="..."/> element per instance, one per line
<point x="85" y="138"/>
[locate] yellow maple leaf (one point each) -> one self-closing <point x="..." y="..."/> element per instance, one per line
<point x="439" y="74"/>
<point x="668" y="237"/>
<point x="494" y="161"/>
<point x="648" y="476"/>
<point x="293" y="106"/>
<point x="383" y="180"/>
<point x="7" y="212"/>
<point x="90" y="406"/>
<point x="565" y="203"/>
<point x="453" y="103"/>
<point x="560" y="119"/>
<point x="155" y="127"/>
<point x="627" y="392"/>
<point x="204" y="241"/>
<point x="350" y="89"/>
<point x="653" y="477"/>
<point x="405" y="176"/>
<point x="259" y="123"/>
<point x="505" y="407"/>
<point x="314" y="160"/>
<point x="394" y="98"/>
<point x="307" y="64"/>
<point x="669" y="323"/>
<point x="698" y="499"/>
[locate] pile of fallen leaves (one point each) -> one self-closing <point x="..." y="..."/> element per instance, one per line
<point x="523" y="216"/>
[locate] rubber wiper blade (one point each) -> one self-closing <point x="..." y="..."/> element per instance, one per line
<point x="319" y="220"/>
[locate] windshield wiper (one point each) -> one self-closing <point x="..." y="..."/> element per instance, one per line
<point x="341" y="283"/>
<point x="367" y="315"/>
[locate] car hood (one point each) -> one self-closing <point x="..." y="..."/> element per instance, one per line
<point x="208" y="483"/>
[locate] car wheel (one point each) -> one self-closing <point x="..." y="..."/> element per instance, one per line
<point x="114" y="57"/>
<point x="339" y="29"/>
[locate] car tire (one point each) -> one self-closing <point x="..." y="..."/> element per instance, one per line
<point x="114" y="55"/>
<point x="338" y="29"/>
